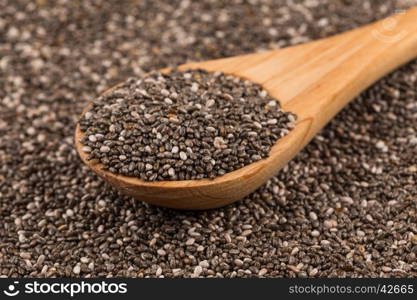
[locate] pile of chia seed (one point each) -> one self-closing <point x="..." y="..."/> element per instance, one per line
<point x="345" y="206"/>
<point x="183" y="125"/>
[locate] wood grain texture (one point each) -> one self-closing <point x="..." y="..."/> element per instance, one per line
<point x="314" y="80"/>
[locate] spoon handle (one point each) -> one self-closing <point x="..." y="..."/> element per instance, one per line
<point x="351" y="63"/>
<point x="317" y="79"/>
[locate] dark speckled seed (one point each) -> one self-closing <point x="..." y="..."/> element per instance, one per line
<point x="344" y="207"/>
<point x="229" y="131"/>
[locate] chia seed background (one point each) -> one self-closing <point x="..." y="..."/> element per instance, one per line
<point x="346" y="206"/>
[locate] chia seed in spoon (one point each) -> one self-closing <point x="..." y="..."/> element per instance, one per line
<point x="183" y="125"/>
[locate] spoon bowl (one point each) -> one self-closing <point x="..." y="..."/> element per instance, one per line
<point x="313" y="80"/>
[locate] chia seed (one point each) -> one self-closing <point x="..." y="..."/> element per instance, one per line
<point x="55" y="56"/>
<point x="214" y="117"/>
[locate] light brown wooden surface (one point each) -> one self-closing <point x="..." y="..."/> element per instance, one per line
<point x="314" y="80"/>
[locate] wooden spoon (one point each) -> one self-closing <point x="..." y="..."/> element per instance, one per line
<point x="314" y="80"/>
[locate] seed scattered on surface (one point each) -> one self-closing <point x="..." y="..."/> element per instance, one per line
<point x="194" y="87"/>
<point x="84" y="259"/>
<point x="315" y="233"/>
<point x="210" y="102"/>
<point x="25" y="255"/>
<point x="88" y="115"/>
<point x="262" y="272"/>
<point x="183" y="155"/>
<point x="175" y="150"/>
<point x="272" y="103"/>
<point x="47" y="171"/>
<point x="104" y="149"/>
<point x="204" y="264"/>
<point x="76" y="269"/>
<point x="171" y="172"/>
<point x="313" y="272"/>
<point x="190" y="241"/>
<point x="330" y="223"/>
<point x="313" y="216"/>
<point x="238" y="262"/>
<point x="198" y="270"/>
<point x="148" y="167"/>
<point x="219" y="143"/>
